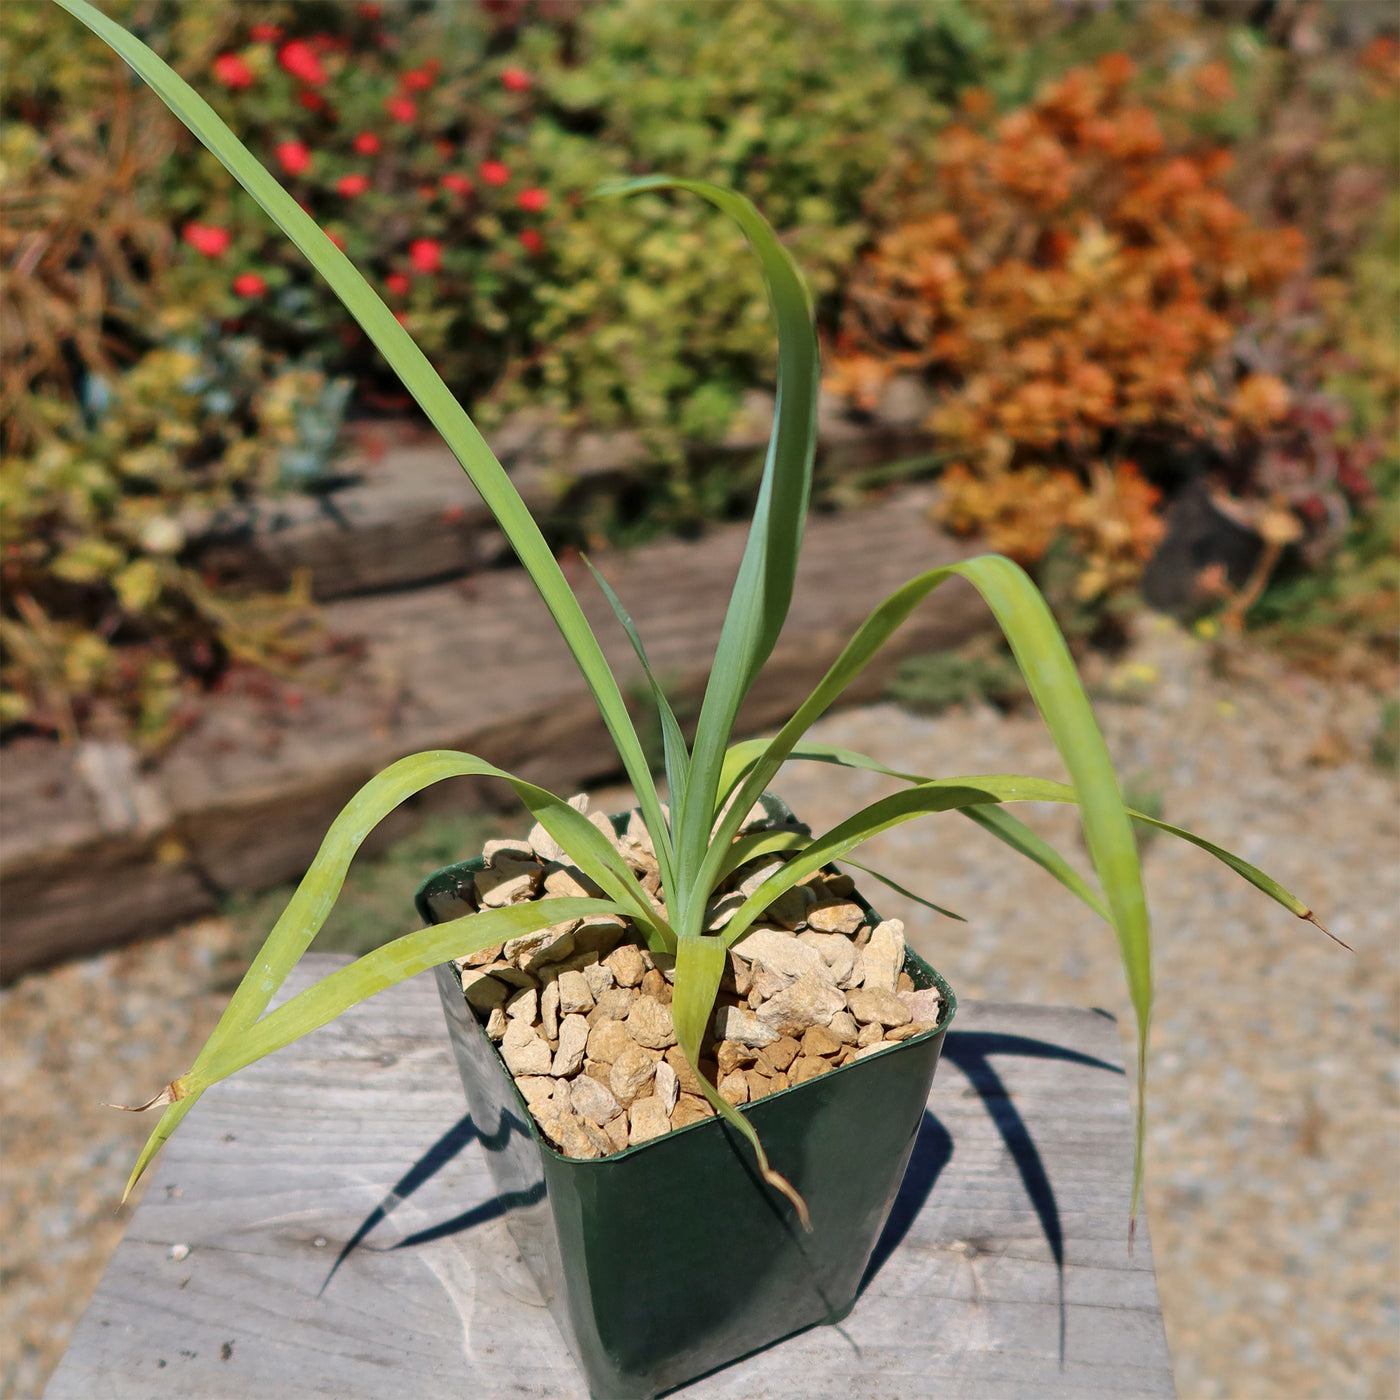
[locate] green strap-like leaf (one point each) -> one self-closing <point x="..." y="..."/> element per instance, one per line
<point x="941" y="795"/>
<point x="762" y="843"/>
<point x="1045" y="662"/>
<point x="1008" y="829"/>
<point x="346" y="987"/>
<point x="421" y="380"/>
<point x="699" y="966"/>
<point x="673" y="741"/>
<point x="316" y="894"/>
<point x="385" y="966"/>
<point x="1019" y="836"/>
<point x="908" y="894"/>
<point x="763" y="589"/>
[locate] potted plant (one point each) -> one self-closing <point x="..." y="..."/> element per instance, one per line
<point x="695" y="885"/>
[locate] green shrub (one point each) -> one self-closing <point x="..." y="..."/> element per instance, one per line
<point x="126" y="415"/>
<point x="452" y="161"/>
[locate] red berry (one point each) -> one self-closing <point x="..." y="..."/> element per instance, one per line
<point x="533" y="199"/>
<point x="367" y="144"/>
<point x="457" y="184"/>
<point x="494" y="173"/>
<point x="249" y="284"/>
<point x="207" y="239"/>
<point x="402" y="109"/>
<point x="265" y="33"/>
<point x="416" y="80"/>
<point x="351" y="185"/>
<point x="298" y="58"/>
<point x="397" y="283"/>
<point x="531" y="241"/>
<point x="425" y="254"/>
<point x="231" y="70"/>
<point x="293" y="156"/>
<point x="515" y="80"/>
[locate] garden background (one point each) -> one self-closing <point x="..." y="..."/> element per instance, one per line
<point x="1111" y="288"/>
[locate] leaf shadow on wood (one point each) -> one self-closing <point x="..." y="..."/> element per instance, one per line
<point x="462" y="1132"/>
<point x="933" y="1147"/>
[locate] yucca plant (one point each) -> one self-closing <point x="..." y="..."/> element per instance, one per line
<point x="713" y="783"/>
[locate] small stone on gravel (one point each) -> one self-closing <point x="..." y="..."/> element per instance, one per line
<point x="627" y="966"/>
<point x="807" y="1067"/>
<point x="884" y="957"/>
<point x="734" y="1088"/>
<point x="524" y="1050"/>
<point x="632" y="1074"/>
<point x="690" y="1108"/>
<point x="810" y="1001"/>
<point x="535" y="1089"/>
<point x="775" y="1058"/>
<point x="835" y="918"/>
<point x="843" y="1026"/>
<point x="574" y="994"/>
<point x="607" y="1040"/>
<point x="549" y="1010"/>
<point x="649" y="1120"/>
<point x="482" y="991"/>
<point x="780" y="952"/>
<point x="880" y="1007"/>
<point x="599" y="978"/>
<point x="593" y="1100"/>
<point x="524" y="1006"/>
<point x="649" y="1023"/>
<point x="573" y="1041"/>
<point x="819" y="1040"/>
<point x="742" y="1027"/>
<point x="613" y="1005"/>
<point x="925" y="1004"/>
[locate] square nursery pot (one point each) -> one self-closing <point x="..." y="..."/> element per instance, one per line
<point x="673" y="1258"/>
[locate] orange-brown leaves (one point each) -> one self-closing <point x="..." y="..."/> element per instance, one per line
<point x="1061" y="275"/>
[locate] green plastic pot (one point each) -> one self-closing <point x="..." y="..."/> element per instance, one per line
<point x="665" y="1261"/>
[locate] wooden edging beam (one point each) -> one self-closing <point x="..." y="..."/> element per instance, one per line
<point x="95" y="851"/>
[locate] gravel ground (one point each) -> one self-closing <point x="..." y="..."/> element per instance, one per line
<point x="1274" y="1151"/>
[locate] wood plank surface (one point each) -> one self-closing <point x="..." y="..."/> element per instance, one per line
<point x="324" y="1225"/>
<point x="241" y="803"/>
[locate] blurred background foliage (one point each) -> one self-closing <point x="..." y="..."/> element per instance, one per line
<point x="1118" y="249"/>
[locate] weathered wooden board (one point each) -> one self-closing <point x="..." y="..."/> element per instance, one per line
<point x="242" y="802"/>
<point x="234" y="1279"/>
<point x="406" y="515"/>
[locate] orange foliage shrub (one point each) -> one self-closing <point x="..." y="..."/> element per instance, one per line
<point x="1070" y="284"/>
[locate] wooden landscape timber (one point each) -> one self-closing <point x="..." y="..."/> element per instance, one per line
<point x="397" y="512"/>
<point x="95" y="851"/>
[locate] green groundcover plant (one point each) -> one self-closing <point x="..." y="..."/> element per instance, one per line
<point x="712" y="782"/>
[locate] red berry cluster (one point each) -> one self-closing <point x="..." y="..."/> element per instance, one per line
<point x="352" y="148"/>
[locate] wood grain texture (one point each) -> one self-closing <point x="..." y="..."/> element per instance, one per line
<point x="476" y="665"/>
<point x="358" y="1134"/>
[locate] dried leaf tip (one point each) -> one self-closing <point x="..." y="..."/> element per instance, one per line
<point x="167" y="1096"/>
<point x="781" y="1183"/>
<point x="1313" y="919"/>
